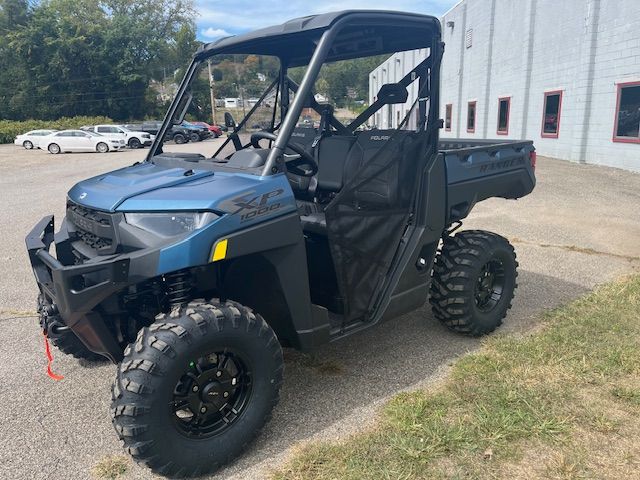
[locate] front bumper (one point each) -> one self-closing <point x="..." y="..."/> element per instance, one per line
<point x="66" y="287"/>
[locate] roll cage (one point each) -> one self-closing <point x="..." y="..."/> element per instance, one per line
<point x="314" y="41"/>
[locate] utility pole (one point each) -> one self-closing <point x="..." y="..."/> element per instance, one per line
<point x="213" y="98"/>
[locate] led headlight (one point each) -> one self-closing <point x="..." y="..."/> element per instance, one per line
<point x="170" y="224"/>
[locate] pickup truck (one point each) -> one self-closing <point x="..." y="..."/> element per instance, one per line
<point x="198" y="132"/>
<point x="177" y="133"/>
<point x="133" y="139"/>
<point x="192" y="270"/>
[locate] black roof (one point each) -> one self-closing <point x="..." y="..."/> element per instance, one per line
<point x="364" y="32"/>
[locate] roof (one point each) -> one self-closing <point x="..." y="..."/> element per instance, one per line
<point x="365" y="32"/>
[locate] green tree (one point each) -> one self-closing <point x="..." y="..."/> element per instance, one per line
<point x="82" y="57"/>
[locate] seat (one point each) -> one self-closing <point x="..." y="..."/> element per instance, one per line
<point x="337" y="167"/>
<point x="331" y="156"/>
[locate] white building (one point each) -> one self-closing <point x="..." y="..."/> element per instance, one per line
<point x="565" y="74"/>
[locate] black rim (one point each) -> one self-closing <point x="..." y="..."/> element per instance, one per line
<point x="211" y="395"/>
<point x="490" y="285"/>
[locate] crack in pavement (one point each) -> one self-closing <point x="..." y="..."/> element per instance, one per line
<point x="576" y="249"/>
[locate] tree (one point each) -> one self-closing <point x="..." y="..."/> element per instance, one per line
<point x="82" y="57"/>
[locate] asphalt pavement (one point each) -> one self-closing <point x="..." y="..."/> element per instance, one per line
<point x="579" y="228"/>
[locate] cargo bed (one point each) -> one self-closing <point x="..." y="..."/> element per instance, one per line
<point x="480" y="169"/>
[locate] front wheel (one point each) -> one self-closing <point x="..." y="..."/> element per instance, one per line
<point x="474" y="279"/>
<point x="69" y="344"/>
<point x="194" y="137"/>
<point x="134" y="143"/>
<point x="102" y="147"/>
<point x="196" y="387"/>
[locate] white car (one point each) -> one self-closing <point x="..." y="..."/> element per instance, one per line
<point x="79" y="141"/>
<point x="118" y="132"/>
<point x="32" y="139"/>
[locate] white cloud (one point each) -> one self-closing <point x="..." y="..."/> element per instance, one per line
<point x="214" y="32"/>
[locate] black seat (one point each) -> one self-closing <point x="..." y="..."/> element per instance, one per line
<point x="331" y="156"/>
<point x="337" y="167"/>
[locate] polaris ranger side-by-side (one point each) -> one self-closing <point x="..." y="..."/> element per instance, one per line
<point x="191" y="271"/>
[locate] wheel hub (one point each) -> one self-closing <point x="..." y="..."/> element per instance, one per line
<point x="489" y="285"/>
<point x="211" y="395"/>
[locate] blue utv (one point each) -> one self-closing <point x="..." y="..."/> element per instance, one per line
<point x="192" y="270"/>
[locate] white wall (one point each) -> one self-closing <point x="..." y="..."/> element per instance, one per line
<point x="523" y="48"/>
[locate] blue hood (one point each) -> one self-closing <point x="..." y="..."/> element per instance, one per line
<point x="105" y="192"/>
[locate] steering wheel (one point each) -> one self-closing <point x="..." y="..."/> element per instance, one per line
<point x="294" y="164"/>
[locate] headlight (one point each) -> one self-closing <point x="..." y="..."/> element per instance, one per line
<point x="170" y="224"/>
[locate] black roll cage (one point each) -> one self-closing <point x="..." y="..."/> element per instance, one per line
<point x="290" y="112"/>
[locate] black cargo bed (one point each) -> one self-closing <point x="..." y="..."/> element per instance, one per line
<point x="481" y="169"/>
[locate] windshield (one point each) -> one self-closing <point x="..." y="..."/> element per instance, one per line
<point x="93" y="134"/>
<point x="240" y="88"/>
<point x="124" y="129"/>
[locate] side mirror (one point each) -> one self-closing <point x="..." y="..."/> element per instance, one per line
<point x="392" y="93"/>
<point x="181" y="111"/>
<point x="229" y="121"/>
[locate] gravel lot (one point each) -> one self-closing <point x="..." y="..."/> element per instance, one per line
<point x="579" y="228"/>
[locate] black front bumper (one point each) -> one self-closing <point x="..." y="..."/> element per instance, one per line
<point x="63" y="286"/>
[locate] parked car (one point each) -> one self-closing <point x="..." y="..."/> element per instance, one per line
<point x="79" y="141"/>
<point x="176" y="133"/>
<point x="133" y="139"/>
<point x="197" y="132"/>
<point x="214" y="129"/>
<point x="32" y="139"/>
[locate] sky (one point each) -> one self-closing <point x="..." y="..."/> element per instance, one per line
<point x="221" y="19"/>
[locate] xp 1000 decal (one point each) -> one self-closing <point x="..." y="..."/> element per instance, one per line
<point x="251" y="206"/>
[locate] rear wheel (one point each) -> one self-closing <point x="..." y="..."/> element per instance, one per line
<point x="196" y="387"/>
<point x="474" y="278"/>
<point x="102" y="147"/>
<point x="134" y="143"/>
<point x="54" y="148"/>
<point x="27" y="144"/>
<point x="179" y="138"/>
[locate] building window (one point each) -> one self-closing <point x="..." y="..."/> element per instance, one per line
<point x="504" y="106"/>
<point x="551" y="114"/>
<point x="627" y="123"/>
<point x="447" y="117"/>
<point x="471" y="117"/>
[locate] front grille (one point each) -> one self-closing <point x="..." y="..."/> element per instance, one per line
<point x="94" y="241"/>
<point x="94" y="228"/>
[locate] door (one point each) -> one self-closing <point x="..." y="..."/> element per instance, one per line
<point x="65" y="141"/>
<point x="82" y="142"/>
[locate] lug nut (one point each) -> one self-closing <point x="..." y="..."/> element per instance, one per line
<point x="195" y="388"/>
<point x="203" y="410"/>
<point x="225" y="394"/>
<point x="218" y="373"/>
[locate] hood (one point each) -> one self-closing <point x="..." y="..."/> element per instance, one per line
<point x="105" y="192"/>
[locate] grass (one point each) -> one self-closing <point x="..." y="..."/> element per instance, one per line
<point x="111" y="467"/>
<point x="563" y="402"/>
